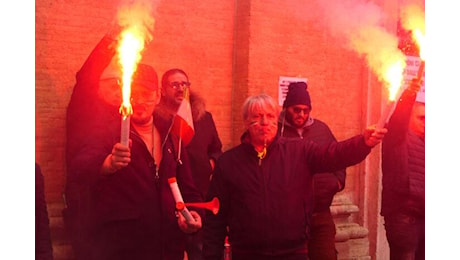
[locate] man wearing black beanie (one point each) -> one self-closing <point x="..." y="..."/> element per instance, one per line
<point x="295" y="121"/>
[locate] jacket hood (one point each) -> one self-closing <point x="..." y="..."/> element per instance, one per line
<point x="198" y="106"/>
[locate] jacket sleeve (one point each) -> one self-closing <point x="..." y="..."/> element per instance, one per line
<point x="87" y="78"/>
<point x="97" y="61"/>
<point x="336" y="155"/>
<point x="85" y="95"/>
<point x="398" y="124"/>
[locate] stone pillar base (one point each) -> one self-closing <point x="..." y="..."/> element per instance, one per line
<point x="351" y="239"/>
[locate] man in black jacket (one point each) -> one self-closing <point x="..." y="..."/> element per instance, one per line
<point x="403" y="168"/>
<point x="261" y="186"/>
<point x="296" y="122"/>
<point x="131" y="205"/>
<point x="120" y="204"/>
<point x="205" y="146"/>
<point x="88" y="107"/>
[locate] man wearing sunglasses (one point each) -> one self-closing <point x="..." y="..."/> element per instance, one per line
<point x="295" y="121"/>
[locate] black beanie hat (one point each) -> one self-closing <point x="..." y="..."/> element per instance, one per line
<point x="297" y="95"/>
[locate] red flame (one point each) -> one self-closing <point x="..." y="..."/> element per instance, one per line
<point x="129" y="50"/>
<point x="136" y="18"/>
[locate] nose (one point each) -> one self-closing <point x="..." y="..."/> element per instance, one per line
<point x="264" y="120"/>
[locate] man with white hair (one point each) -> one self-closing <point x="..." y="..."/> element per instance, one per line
<point x="261" y="186"/>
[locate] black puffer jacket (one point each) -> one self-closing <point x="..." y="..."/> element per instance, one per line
<point x="263" y="202"/>
<point x="403" y="162"/>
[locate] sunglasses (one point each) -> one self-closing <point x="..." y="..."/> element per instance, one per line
<point x="177" y="85"/>
<point x="297" y="110"/>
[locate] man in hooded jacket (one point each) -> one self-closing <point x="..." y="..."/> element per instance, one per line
<point x="296" y="122"/>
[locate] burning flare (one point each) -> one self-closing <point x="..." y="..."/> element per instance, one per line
<point x="129" y="50"/>
<point x="420" y="39"/>
<point x="413" y="19"/>
<point x="393" y="77"/>
<point x="137" y="21"/>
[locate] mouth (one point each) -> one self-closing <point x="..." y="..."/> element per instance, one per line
<point x="265" y="131"/>
<point x="299" y="119"/>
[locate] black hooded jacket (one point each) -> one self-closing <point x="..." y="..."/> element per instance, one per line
<point x="326" y="185"/>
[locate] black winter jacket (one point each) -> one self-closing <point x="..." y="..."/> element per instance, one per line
<point x="263" y="202"/>
<point x="326" y="185"/>
<point x="400" y="190"/>
<point x="138" y="193"/>
<point x="85" y="112"/>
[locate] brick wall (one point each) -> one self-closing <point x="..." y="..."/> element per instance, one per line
<point x="229" y="49"/>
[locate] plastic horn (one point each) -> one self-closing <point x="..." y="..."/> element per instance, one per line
<point x="212" y="205"/>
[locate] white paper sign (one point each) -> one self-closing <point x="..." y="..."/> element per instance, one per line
<point x="410" y="72"/>
<point x="283" y="86"/>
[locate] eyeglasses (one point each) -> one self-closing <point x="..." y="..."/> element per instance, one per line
<point x="176" y="85"/>
<point x="297" y="110"/>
